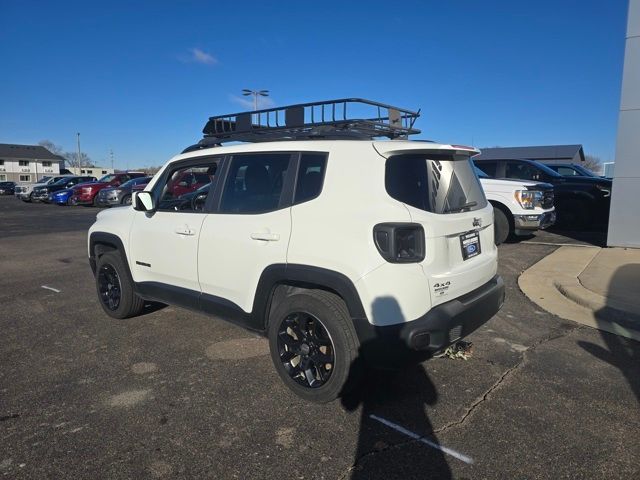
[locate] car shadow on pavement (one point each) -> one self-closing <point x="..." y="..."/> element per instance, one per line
<point x="593" y="236"/>
<point x="621" y="352"/>
<point x="395" y="437"/>
<point x="151" y="307"/>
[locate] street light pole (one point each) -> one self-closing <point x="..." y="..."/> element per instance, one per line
<point x="79" y="154"/>
<point x="255" y="93"/>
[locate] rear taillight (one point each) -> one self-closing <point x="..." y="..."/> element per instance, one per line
<point x="400" y="242"/>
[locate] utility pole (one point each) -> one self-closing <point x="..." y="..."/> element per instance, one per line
<point x="79" y="154"/>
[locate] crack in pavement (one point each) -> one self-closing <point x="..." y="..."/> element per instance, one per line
<point x="554" y="335"/>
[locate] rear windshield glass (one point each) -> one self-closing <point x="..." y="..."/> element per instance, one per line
<point x="435" y="183"/>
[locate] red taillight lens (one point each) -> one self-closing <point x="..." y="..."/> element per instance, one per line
<point x="400" y="242"/>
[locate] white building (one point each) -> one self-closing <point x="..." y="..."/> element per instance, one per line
<point x="27" y="163"/>
<point x="95" y="171"/>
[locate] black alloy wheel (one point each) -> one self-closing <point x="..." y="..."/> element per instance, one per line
<point x="306" y="349"/>
<point x="109" y="287"/>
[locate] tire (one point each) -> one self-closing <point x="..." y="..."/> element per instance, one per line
<point x="113" y="280"/>
<point x="501" y="226"/>
<point x="95" y="201"/>
<point x="126" y="200"/>
<point x="327" y="334"/>
<point x="69" y="202"/>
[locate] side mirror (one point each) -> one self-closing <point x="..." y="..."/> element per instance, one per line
<point x="143" y="202"/>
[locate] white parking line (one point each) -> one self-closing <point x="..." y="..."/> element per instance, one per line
<point x="415" y="436"/>
<point x="51" y="288"/>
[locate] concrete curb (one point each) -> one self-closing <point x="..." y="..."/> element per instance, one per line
<point x="553" y="284"/>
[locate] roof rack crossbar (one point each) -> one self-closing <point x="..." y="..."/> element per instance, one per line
<point x="312" y="120"/>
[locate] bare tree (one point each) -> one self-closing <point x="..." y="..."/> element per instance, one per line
<point x="52" y="147"/>
<point x="70" y="157"/>
<point x="593" y="163"/>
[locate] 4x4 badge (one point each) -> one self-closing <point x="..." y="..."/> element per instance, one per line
<point x="477" y="222"/>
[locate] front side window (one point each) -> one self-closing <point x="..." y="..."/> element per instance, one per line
<point x="310" y="176"/>
<point x="436" y="183"/>
<point x="186" y="188"/>
<point x="254" y="183"/>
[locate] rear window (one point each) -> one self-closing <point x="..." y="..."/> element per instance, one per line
<point x="434" y="183"/>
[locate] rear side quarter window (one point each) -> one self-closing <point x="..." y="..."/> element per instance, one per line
<point x="310" y="176"/>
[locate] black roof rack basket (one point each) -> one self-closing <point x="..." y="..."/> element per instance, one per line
<point x="347" y="118"/>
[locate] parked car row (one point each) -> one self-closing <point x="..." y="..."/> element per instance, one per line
<point x="110" y="190"/>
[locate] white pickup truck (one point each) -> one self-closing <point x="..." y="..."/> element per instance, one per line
<point x="520" y="207"/>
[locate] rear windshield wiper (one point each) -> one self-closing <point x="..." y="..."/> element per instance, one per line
<point x="460" y="208"/>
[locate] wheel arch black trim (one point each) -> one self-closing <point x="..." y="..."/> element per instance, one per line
<point x="304" y="276"/>
<point x="109" y="240"/>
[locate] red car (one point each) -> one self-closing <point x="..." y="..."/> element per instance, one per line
<point x="87" y="193"/>
<point x="187" y="182"/>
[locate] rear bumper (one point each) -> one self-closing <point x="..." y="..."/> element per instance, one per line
<point x="534" y="222"/>
<point x="392" y="346"/>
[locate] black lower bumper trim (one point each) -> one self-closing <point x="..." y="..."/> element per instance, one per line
<point x="443" y="325"/>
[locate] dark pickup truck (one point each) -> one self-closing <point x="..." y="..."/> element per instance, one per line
<point x="580" y="201"/>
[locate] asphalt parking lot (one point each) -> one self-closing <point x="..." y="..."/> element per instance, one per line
<point x="174" y="394"/>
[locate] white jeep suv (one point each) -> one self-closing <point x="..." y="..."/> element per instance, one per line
<point x="332" y="244"/>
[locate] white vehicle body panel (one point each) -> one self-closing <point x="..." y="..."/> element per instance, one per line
<point x="164" y="248"/>
<point x="234" y="250"/>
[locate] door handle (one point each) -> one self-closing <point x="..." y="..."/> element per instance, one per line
<point x="268" y="237"/>
<point x="186" y="231"/>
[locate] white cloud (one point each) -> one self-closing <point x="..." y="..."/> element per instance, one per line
<point x="247" y="102"/>
<point x="197" y="55"/>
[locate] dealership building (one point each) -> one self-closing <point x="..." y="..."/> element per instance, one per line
<point x="27" y="163"/>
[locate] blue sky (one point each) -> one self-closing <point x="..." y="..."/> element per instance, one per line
<point x="141" y="78"/>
